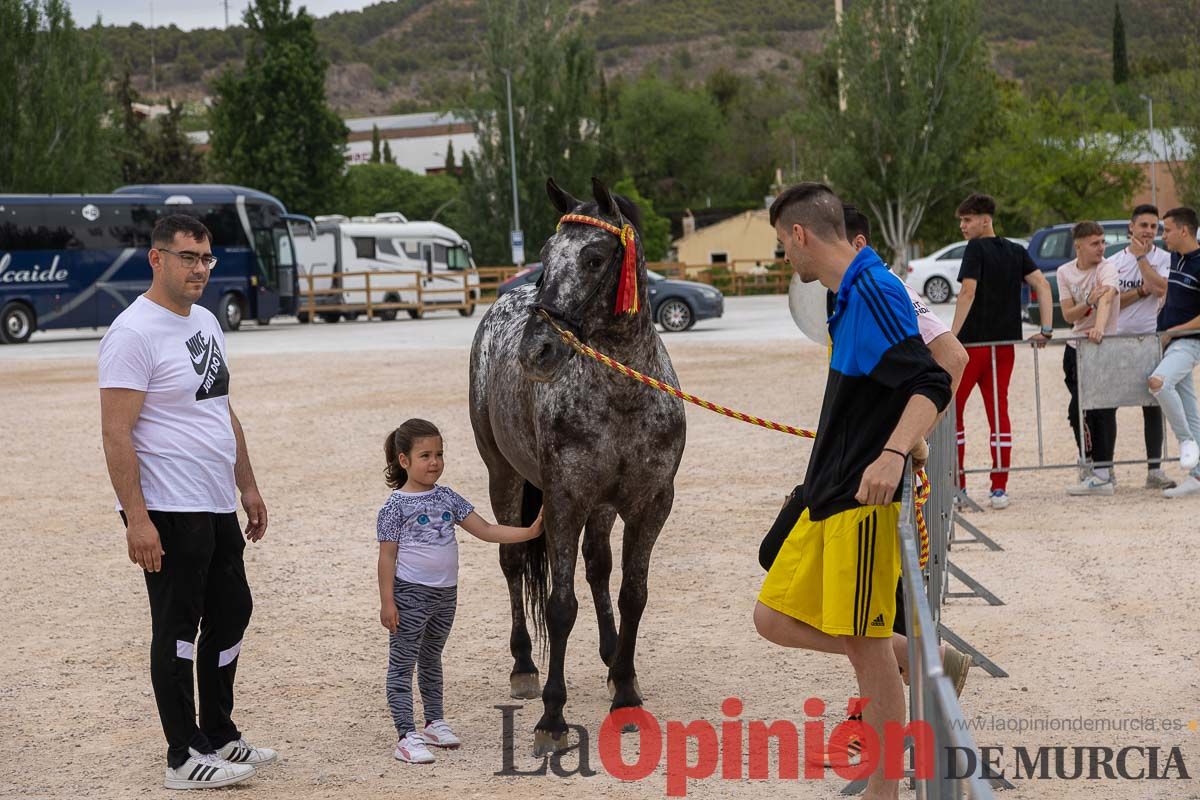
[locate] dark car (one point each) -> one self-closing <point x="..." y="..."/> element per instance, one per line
<point x="1052" y="247"/>
<point x="675" y="305"/>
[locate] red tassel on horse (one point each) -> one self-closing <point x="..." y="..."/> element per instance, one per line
<point x="627" y="288"/>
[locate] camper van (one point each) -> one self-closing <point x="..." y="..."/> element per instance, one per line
<point x="78" y="260"/>
<point x="395" y="248"/>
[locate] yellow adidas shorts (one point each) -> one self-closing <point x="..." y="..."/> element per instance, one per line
<point x="839" y="575"/>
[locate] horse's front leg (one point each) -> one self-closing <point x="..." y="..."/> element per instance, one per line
<point x="597" y="562"/>
<point x="642" y="527"/>
<point x="564" y="519"/>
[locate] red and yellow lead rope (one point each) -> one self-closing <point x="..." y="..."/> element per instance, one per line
<point x="921" y="490"/>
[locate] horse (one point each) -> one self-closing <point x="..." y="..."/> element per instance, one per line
<point x="579" y="440"/>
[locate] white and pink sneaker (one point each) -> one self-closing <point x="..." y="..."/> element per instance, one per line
<point x="438" y="734"/>
<point x="411" y="749"/>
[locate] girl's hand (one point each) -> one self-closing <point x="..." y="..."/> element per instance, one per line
<point x="389" y="617"/>
<point x="536" y="528"/>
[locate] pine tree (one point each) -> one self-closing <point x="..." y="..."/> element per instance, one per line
<point x="272" y="128"/>
<point x="1120" y="54"/>
<point x="387" y="152"/>
<point x="451" y="165"/>
<point x="131" y="141"/>
<point x="375" y="155"/>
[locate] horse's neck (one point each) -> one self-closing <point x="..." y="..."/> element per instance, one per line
<point x="636" y="347"/>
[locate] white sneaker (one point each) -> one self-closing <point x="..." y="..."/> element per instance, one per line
<point x="999" y="499"/>
<point x="1189" y="454"/>
<point x="1189" y="486"/>
<point x="206" y="771"/>
<point x="412" y="750"/>
<point x="242" y="752"/>
<point x="438" y="734"/>
<point x="1094" y="485"/>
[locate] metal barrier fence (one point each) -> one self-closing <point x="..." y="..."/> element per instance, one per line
<point x="931" y="694"/>
<point x="1111" y="374"/>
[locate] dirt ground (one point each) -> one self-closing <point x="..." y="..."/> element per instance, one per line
<point x="1099" y="592"/>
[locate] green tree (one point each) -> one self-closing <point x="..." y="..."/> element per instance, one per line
<point x="1061" y="158"/>
<point x="52" y="103"/>
<point x="553" y="101"/>
<point x="130" y="145"/>
<point x="656" y="229"/>
<point x="376" y="156"/>
<point x="271" y="126"/>
<point x="388" y="158"/>
<point x="916" y="83"/>
<point x="451" y="165"/>
<point x="1182" y="88"/>
<point x="372" y="188"/>
<point x="1120" y="56"/>
<point x="170" y="156"/>
<point x="667" y="138"/>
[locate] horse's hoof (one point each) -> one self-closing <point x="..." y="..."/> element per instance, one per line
<point x="524" y="686"/>
<point x="612" y="689"/>
<point x="545" y="743"/>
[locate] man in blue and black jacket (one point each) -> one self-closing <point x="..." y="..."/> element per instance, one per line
<point x="831" y="587"/>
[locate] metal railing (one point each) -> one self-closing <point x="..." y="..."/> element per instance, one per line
<point x="1098" y="387"/>
<point x="931" y="694"/>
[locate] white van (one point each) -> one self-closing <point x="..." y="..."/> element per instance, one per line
<point x="383" y="244"/>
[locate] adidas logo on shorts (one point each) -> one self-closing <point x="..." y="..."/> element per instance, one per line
<point x="877" y="622"/>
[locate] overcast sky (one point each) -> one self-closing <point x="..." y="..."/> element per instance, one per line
<point x="189" y="14"/>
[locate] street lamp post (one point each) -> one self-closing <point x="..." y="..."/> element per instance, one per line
<point x="1153" y="153"/>
<point x="512" y="161"/>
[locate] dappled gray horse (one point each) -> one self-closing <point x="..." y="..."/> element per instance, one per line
<point x="581" y="440"/>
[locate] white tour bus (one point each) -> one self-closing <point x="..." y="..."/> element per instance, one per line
<point x="382" y="244"/>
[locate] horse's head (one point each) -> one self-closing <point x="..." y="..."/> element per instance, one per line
<point x="587" y="285"/>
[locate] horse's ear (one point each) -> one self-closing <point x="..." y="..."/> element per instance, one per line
<point x="561" y="200"/>
<point x="604" y="199"/>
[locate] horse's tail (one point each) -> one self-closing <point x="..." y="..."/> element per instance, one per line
<point x="537" y="565"/>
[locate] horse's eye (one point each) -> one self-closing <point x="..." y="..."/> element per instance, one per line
<point x="593" y="263"/>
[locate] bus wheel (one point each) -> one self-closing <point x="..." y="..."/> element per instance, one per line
<point x="350" y="316"/>
<point x="468" y="311"/>
<point x="388" y="314"/>
<point x="415" y="313"/>
<point x="331" y="317"/>
<point x="231" y="312"/>
<point x="303" y="318"/>
<point x="16" y="323"/>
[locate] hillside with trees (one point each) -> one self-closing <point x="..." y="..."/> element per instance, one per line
<point x="416" y="54"/>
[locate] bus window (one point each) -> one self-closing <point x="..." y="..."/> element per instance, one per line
<point x="364" y="246"/>
<point x="283" y="245"/>
<point x="439" y="254"/>
<point x="387" y="247"/>
<point x="459" y="259"/>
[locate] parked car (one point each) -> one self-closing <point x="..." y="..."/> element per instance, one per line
<point x="936" y="275"/>
<point x="1052" y="247"/>
<point x="675" y="305"/>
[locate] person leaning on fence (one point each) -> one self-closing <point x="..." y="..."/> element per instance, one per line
<point x="989" y="310"/>
<point x="177" y="459"/>
<point x="1142" y="270"/>
<point x="830" y="588"/>
<point x="1088" y="293"/>
<point x="1179" y="323"/>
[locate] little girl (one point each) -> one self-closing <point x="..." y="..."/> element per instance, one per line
<point x="418" y="577"/>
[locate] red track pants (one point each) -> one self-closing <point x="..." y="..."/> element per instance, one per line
<point x="995" y="402"/>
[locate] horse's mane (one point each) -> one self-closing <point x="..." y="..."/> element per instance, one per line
<point x="630" y="212"/>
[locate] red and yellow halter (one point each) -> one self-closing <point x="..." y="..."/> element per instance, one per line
<point x="627" y="288"/>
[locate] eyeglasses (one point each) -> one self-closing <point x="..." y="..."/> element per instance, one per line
<point x="190" y="259"/>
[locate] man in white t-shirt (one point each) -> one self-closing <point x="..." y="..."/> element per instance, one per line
<point x="1087" y="291"/>
<point x="177" y="459"/>
<point x="1142" y="271"/>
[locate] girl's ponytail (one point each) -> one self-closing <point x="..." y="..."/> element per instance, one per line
<point x="400" y="441"/>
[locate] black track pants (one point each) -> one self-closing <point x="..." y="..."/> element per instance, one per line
<point x="201" y="587"/>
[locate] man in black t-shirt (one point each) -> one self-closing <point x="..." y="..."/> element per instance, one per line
<point x="989" y="310"/>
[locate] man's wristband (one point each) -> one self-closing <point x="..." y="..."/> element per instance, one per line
<point x="897" y="452"/>
<point x="1047" y="332"/>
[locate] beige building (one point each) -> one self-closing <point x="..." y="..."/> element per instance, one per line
<point x="745" y="239"/>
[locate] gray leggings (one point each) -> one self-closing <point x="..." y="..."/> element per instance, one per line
<point x="426" y="615"/>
